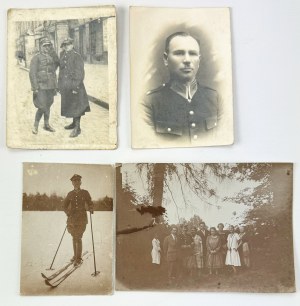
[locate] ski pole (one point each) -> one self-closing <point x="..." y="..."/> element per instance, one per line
<point x="96" y="272"/>
<point x="57" y="249"/>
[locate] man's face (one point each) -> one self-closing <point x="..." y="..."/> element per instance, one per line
<point x="46" y="48"/>
<point x="202" y="226"/>
<point x="174" y="231"/>
<point x="183" y="58"/>
<point x="220" y="227"/>
<point x="76" y="183"/>
<point x="68" y="47"/>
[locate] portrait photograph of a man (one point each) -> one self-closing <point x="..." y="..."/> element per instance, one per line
<point x="181" y="88"/>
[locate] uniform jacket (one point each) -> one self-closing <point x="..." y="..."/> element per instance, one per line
<point x="42" y="71"/>
<point x="172" y="115"/>
<point x="171" y="248"/>
<point x="75" y="206"/>
<point x="71" y="76"/>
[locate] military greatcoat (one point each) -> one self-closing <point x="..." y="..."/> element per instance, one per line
<point x="43" y="79"/>
<point x="74" y="99"/>
<point x="173" y="116"/>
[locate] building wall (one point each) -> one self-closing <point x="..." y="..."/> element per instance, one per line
<point x="90" y="37"/>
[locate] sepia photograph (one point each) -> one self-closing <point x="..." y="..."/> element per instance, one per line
<point x="205" y="227"/>
<point x="181" y="77"/>
<point x="62" y="78"/>
<point x="67" y="229"/>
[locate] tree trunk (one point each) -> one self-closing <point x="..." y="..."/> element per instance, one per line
<point x="159" y="173"/>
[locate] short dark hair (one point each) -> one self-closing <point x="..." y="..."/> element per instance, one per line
<point x="183" y="34"/>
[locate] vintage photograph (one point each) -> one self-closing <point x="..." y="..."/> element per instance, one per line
<point x="205" y="227"/>
<point x="181" y="77"/>
<point x="67" y="229"/>
<point x="62" y="78"/>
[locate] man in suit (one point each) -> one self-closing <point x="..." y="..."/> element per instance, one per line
<point x="75" y="208"/>
<point x="182" y="108"/>
<point x="43" y="83"/>
<point x="74" y="99"/>
<point x="203" y="233"/>
<point x="171" y="252"/>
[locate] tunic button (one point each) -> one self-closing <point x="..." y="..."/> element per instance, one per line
<point x="195" y="136"/>
<point x="191" y="112"/>
<point x="193" y="124"/>
<point x="65" y="76"/>
<point x="169" y="129"/>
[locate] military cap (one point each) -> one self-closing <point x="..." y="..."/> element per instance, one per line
<point x="67" y="41"/>
<point x="75" y="177"/>
<point x="45" y="41"/>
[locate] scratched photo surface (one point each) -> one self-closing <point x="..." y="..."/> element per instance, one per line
<point x="62" y="78"/>
<point x="181" y="77"/>
<point x="67" y="240"/>
<point x="205" y="227"/>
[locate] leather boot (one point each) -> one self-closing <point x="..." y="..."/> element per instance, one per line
<point x="70" y="126"/>
<point x="34" y="130"/>
<point x="78" y="259"/>
<point x="77" y="129"/>
<point x="73" y="259"/>
<point x="49" y="128"/>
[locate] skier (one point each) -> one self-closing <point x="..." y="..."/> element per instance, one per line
<point x="75" y="208"/>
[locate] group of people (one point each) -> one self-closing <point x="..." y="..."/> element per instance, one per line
<point x="189" y="254"/>
<point x="44" y="84"/>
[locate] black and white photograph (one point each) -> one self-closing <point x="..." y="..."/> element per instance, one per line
<point x="61" y="89"/>
<point x="67" y="229"/>
<point x="205" y="227"/>
<point x="181" y="77"/>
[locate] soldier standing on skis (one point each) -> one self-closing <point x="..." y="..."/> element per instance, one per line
<point x="75" y="206"/>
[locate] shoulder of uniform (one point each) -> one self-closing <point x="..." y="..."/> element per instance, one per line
<point x="36" y="55"/>
<point x="75" y="52"/>
<point x="158" y="89"/>
<point x="206" y="88"/>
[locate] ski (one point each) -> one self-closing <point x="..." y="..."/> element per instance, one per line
<point x="64" y="268"/>
<point x="62" y="278"/>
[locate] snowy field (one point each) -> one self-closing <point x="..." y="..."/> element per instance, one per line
<point x="41" y="233"/>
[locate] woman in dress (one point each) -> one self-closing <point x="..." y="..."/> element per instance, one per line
<point x="244" y="249"/>
<point x="232" y="256"/>
<point x="196" y="263"/>
<point x="214" y="255"/>
<point x="155" y="253"/>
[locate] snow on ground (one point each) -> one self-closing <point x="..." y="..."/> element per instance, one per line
<point x="41" y="234"/>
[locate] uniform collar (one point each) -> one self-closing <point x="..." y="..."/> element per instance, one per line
<point x="187" y="91"/>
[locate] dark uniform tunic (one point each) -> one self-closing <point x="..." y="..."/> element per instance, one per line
<point x="71" y="76"/>
<point x="75" y="208"/>
<point x="173" y="116"/>
<point x="43" y="78"/>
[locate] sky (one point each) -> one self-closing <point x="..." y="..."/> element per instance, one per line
<point x="55" y="178"/>
<point x="212" y="212"/>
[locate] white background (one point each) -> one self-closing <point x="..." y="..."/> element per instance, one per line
<point x="266" y="72"/>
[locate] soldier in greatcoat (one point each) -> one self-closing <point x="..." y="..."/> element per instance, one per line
<point x="75" y="205"/>
<point x="74" y="99"/>
<point x="43" y="83"/>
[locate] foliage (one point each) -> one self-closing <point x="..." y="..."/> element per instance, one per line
<point x="43" y="202"/>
